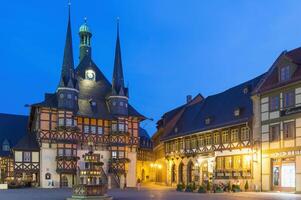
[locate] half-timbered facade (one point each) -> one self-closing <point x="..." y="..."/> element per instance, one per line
<point x="85" y="109"/>
<point x="279" y="96"/>
<point x="210" y="140"/>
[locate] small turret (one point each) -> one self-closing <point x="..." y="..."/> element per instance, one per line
<point x="85" y="40"/>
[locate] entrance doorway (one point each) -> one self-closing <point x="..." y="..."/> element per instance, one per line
<point x="283" y="174"/>
<point x="64" y="181"/>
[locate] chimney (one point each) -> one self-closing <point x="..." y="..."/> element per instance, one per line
<point x="188" y="98"/>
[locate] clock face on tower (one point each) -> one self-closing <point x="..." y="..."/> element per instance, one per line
<point x="90" y="75"/>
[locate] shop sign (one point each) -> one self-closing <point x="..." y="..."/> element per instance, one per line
<point x="285" y="153"/>
<point x="236" y="174"/>
<point x="220" y="174"/>
<point x="227" y="174"/>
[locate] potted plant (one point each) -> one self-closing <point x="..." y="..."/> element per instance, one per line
<point x="189" y="188"/>
<point x="201" y="189"/>
<point x="180" y="187"/>
<point x="235" y="188"/>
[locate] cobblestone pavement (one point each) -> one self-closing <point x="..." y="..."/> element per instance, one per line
<point x="146" y="193"/>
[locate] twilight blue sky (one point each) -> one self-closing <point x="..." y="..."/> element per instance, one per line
<point x="170" y="48"/>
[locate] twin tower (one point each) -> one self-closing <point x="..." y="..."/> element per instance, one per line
<point x="71" y="82"/>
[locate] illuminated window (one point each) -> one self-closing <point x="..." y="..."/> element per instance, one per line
<point x="225" y="136"/>
<point x="114" y="154"/>
<point x="216" y="138"/>
<point x="236" y="112"/>
<point x="121" y="154"/>
<point x="228" y="162"/>
<point x="121" y="127"/>
<point x="219" y="163"/>
<point x="246" y="164"/>
<point x="234" y="135"/>
<point x="245" y="134"/>
<point x="114" y="127"/>
<point x="208" y="140"/>
<point x="236" y="162"/>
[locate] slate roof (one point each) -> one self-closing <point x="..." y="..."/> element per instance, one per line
<point x="271" y="80"/>
<point x="145" y="140"/>
<point x="12" y="128"/>
<point x="28" y="142"/>
<point x="90" y="91"/>
<point x="190" y="118"/>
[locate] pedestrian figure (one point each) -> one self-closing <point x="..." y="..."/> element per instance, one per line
<point x="138" y="184"/>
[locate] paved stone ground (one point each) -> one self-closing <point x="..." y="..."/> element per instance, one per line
<point x="150" y="192"/>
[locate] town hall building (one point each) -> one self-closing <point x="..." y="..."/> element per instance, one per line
<point x="86" y="110"/>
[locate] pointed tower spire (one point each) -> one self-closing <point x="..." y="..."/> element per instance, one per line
<point x="118" y="80"/>
<point x="68" y="62"/>
<point x="67" y="91"/>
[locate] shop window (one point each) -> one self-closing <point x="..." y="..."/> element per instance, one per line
<point x="288" y="130"/>
<point x="274" y="133"/>
<point x="219" y="163"/>
<point x="234" y="135"/>
<point x="245" y="134"/>
<point x="236" y="162"/>
<point x="274" y="103"/>
<point x="246" y="164"/>
<point x="228" y="162"/>
<point x="288" y="99"/>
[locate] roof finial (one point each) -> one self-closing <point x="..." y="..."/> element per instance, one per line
<point x="118" y="26"/>
<point x="85" y="18"/>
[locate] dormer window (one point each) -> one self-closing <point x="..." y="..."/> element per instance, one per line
<point x="285" y="73"/>
<point x="5" y="146"/>
<point x="90" y="75"/>
<point x="207" y="120"/>
<point x="236" y="112"/>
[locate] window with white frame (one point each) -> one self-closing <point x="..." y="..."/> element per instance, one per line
<point x="114" y="154"/>
<point x="245" y="134"/>
<point x="234" y="135"/>
<point x="69" y="122"/>
<point x="93" y="129"/>
<point x="26" y="156"/>
<point x="61" y="121"/>
<point x="86" y="129"/>
<point x="99" y="130"/>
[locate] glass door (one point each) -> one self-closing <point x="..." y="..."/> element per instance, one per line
<point x="288" y="175"/>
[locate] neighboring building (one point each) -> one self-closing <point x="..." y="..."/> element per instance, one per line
<point x="86" y="109"/>
<point x="279" y="113"/>
<point x="144" y="157"/>
<point x="12" y="129"/>
<point x="210" y="139"/>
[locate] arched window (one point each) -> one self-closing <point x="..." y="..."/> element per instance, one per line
<point x="181" y="165"/>
<point x="5" y="145"/>
<point x="173" y="173"/>
<point x="189" y="172"/>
